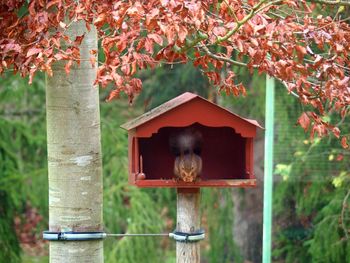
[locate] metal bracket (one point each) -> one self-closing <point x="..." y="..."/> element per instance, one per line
<point x="188" y="237"/>
<point x="73" y="236"/>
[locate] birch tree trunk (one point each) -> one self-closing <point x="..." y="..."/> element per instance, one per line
<point x="74" y="154"/>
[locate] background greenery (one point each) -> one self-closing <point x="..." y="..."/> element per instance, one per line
<point x="312" y="179"/>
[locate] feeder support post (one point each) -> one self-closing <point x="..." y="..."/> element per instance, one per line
<point x="188" y="220"/>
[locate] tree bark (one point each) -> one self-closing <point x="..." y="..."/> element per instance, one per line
<point x="188" y="220"/>
<point x="74" y="154"/>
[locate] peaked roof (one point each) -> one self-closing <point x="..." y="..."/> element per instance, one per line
<point x="171" y="104"/>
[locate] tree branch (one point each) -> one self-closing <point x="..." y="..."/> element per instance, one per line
<point x="230" y="61"/>
<point x="330" y="2"/>
<point x="231" y="10"/>
<point x="241" y="64"/>
<point x="256" y="9"/>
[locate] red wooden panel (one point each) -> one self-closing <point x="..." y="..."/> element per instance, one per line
<point x="131" y="157"/>
<point x="200" y="111"/>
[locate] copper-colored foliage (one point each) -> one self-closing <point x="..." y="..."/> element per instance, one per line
<point x="286" y="39"/>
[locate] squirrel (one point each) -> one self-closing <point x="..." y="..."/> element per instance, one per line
<point x="186" y="146"/>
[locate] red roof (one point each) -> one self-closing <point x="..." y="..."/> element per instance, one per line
<point x="175" y="103"/>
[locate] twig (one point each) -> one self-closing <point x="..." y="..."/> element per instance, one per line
<point x="230" y="61"/>
<point x="241" y="22"/>
<point x="285" y="84"/>
<point x="231" y="11"/>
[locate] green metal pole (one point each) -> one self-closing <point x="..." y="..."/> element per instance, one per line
<point x="268" y="168"/>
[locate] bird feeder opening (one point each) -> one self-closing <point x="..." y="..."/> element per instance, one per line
<point x="222" y="153"/>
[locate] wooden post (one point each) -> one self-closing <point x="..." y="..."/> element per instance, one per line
<point x="188" y="220"/>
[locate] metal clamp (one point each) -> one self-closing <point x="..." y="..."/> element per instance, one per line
<point x="188" y="237"/>
<point x="84" y="236"/>
<point x="73" y="236"/>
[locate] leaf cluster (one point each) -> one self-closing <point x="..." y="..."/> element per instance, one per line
<point x="287" y="39"/>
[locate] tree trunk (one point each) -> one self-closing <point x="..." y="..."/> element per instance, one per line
<point x="74" y="154"/>
<point x="188" y="220"/>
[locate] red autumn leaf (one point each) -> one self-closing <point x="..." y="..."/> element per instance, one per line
<point x="344" y="142"/>
<point x="125" y="69"/>
<point x="170" y="35"/>
<point x="49" y="71"/>
<point x="78" y="40"/>
<point x="33" y="51"/>
<point x="68" y="66"/>
<point x="133" y="68"/>
<point x="149" y="45"/>
<point x="289" y="72"/>
<point x="63" y="25"/>
<point x="93" y="51"/>
<point x="60" y="56"/>
<point x="339" y="47"/>
<point x="136" y="84"/>
<point x="301" y="52"/>
<point x="100" y="19"/>
<point x="344" y="82"/>
<point x="11" y="47"/>
<point x="240" y="45"/>
<point x="114" y="94"/>
<point x="318" y="61"/>
<point x="31" y="75"/>
<point x="336" y="132"/>
<point x="31" y="8"/>
<point x="254" y="42"/>
<point x="156" y="38"/>
<point x="93" y="61"/>
<point x="248" y="28"/>
<point x="257" y="28"/>
<point x="304" y="121"/>
<point x="213" y="77"/>
<point x="52" y="3"/>
<point x="182" y="33"/>
<point x="242" y="89"/>
<point x="340" y="157"/>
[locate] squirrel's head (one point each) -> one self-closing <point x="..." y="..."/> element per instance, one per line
<point x="188" y="168"/>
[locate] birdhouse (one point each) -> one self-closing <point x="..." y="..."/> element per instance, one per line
<point x="189" y="142"/>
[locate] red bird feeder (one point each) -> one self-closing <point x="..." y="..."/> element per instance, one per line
<point x="226" y="144"/>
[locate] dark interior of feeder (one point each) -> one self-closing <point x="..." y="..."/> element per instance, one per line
<point x="222" y="152"/>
